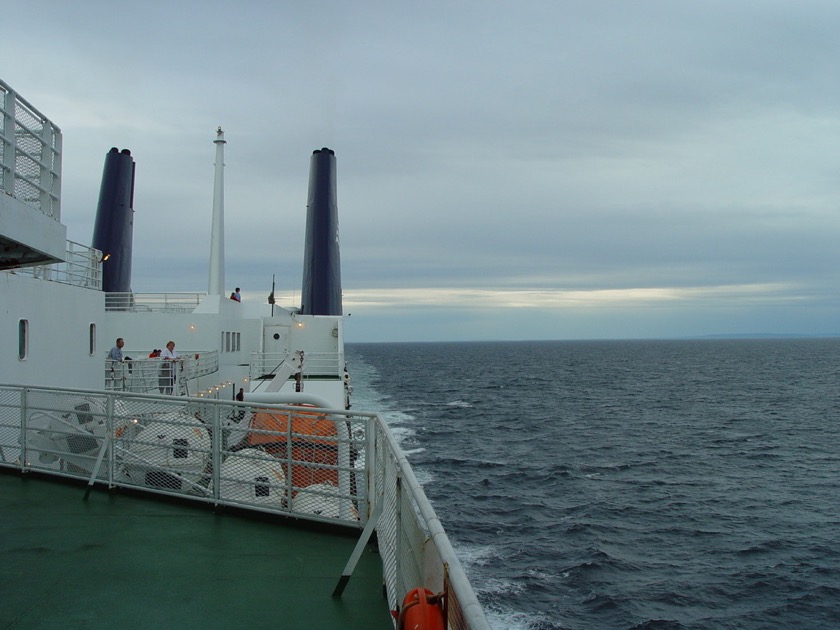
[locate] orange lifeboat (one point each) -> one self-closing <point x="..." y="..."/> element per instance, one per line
<point x="421" y="610"/>
<point x="314" y="441"/>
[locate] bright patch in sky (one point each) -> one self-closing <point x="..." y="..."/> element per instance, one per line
<point x="529" y="170"/>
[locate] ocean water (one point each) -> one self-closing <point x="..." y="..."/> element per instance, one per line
<point x="638" y="484"/>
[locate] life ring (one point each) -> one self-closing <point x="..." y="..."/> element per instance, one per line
<point x="421" y="610"/>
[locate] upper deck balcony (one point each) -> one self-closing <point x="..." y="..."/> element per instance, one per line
<point x="31" y="232"/>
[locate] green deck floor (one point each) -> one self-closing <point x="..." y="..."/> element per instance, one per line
<point x="124" y="561"/>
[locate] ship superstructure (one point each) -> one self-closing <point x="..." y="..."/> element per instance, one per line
<point x="288" y="448"/>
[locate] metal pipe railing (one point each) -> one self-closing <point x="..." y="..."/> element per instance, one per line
<point x="200" y="449"/>
<point x="30" y="154"/>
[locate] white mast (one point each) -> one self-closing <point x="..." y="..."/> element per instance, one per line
<point x="216" y="281"/>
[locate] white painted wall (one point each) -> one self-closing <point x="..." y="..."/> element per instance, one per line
<point x="59" y="318"/>
<point x="32" y="228"/>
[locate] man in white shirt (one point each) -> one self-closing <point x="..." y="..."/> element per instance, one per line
<point x="166" y="376"/>
<point x="116" y="353"/>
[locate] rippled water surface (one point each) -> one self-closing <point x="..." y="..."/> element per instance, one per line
<point x="655" y="484"/>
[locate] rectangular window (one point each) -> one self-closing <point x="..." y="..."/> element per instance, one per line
<point x="23" y="339"/>
<point x="227" y="342"/>
<point x="238" y="341"/>
<point x="222" y="343"/>
<point x="180" y="448"/>
<point x="261" y="487"/>
<point x="92" y="340"/>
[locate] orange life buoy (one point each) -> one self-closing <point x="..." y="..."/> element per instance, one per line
<point x="421" y="610"/>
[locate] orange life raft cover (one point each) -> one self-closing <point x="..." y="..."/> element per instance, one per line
<point x="314" y="441"/>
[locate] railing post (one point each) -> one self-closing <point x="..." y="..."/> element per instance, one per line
<point x="216" y="443"/>
<point x="112" y="434"/>
<point x="345" y="468"/>
<point x="398" y="542"/>
<point x="46" y="165"/>
<point x="289" y="457"/>
<point x="7" y="172"/>
<point x="56" y="148"/>
<point x="24" y="396"/>
<point x="364" y="501"/>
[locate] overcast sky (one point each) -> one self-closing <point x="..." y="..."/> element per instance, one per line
<point x="529" y="170"/>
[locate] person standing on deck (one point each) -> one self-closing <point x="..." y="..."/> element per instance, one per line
<point x="166" y="376"/>
<point x="116" y="353"/>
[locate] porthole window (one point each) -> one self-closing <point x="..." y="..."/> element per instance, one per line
<point x="23" y="339"/>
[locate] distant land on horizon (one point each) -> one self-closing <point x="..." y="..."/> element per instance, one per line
<point x="732" y="336"/>
<point x="768" y="336"/>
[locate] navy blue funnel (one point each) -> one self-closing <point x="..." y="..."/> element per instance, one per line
<point x="321" y="292"/>
<point x="113" y="232"/>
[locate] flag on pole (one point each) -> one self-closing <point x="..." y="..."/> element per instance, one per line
<point x="271" y="295"/>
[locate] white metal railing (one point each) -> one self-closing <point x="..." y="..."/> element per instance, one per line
<point x="331" y="466"/>
<point x="263" y="365"/>
<point x="143" y="374"/>
<point x="153" y="302"/>
<point x="30" y="154"/>
<point x="219" y="452"/>
<point x="82" y="268"/>
<point x="414" y="547"/>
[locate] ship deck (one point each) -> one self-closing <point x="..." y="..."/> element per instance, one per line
<point x="128" y="561"/>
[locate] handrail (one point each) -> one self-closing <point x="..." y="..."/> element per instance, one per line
<point x="153" y="302"/>
<point x="265" y="364"/>
<point x="141" y="374"/>
<point x="468" y="612"/>
<point x="63" y="432"/>
<point x="82" y="268"/>
<point x="30" y="154"/>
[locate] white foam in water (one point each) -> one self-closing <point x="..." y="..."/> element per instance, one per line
<point x="512" y="620"/>
<point x="476" y="555"/>
<point x="424" y="477"/>
<point x="504" y="617"/>
<point x="473" y="557"/>
<point x="402" y="435"/>
<point x="394" y="417"/>
<point x="402" y="426"/>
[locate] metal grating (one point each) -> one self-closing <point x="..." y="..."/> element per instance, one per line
<point x="322" y="465"/>
<point x="30" y="154"/>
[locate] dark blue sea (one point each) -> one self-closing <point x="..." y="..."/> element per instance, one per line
<point x="627" y="484"/>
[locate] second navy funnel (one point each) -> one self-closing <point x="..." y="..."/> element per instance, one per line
<point x="321" y="291"/>
<point x="113" y="231"/>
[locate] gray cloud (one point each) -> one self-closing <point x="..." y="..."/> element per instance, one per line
<point x="683" y="149"/>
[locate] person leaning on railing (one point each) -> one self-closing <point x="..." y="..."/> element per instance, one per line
<point x="166" y="376"/>
<point x="116" y="353"/>
<point x="115" y="356"/>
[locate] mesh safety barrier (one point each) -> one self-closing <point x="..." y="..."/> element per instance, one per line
<point x="306" y="462"/>
<point x="291" y="461"/>
<point x="30" y="154"/>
